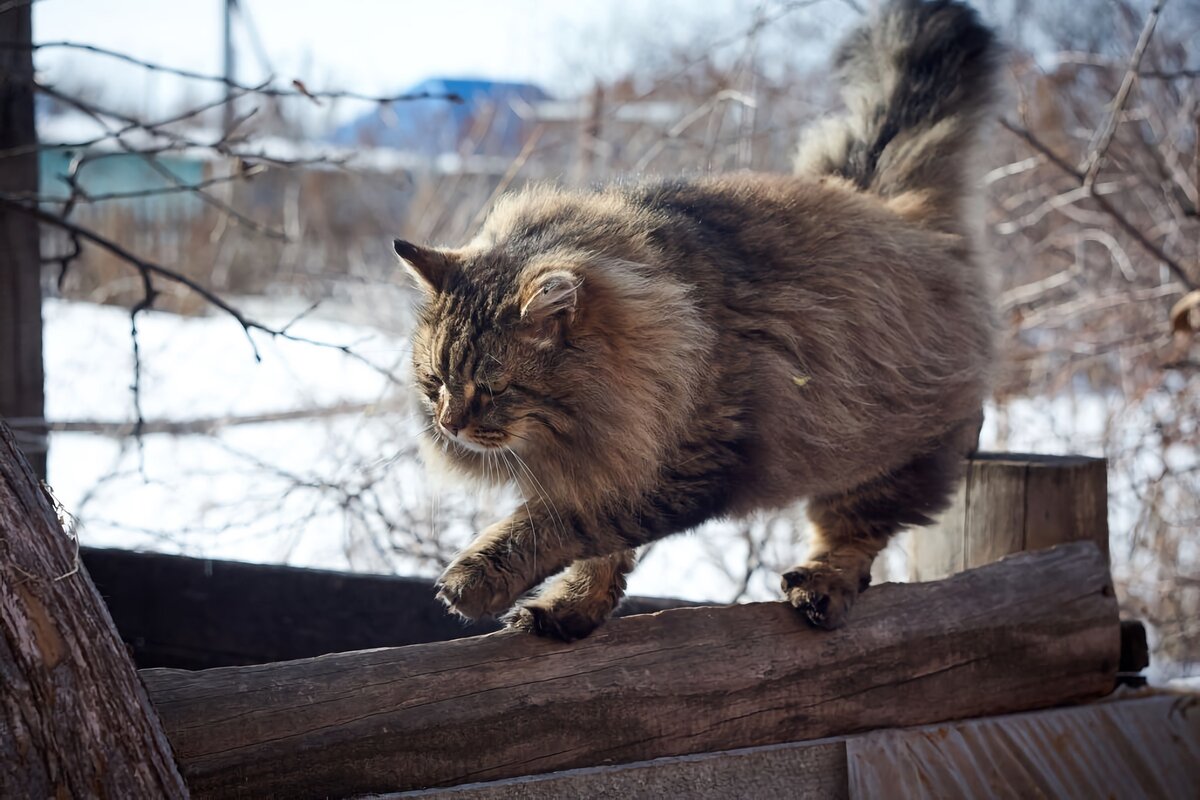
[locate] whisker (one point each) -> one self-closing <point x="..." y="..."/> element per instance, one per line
<point x="544" y="495"/>
<point x="528" y="513"/>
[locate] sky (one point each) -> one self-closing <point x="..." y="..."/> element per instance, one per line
<point x="374" y="46"/>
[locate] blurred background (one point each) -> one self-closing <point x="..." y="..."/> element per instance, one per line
<point x="229" y="378"/>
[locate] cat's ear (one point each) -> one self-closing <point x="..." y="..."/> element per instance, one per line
<point x="548" y="306"/>
<point x="429" y="268"/>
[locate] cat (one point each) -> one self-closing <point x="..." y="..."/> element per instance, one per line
<point x="639" y="359"/>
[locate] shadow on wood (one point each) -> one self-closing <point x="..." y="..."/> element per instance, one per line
<point x="1035" y="630"/>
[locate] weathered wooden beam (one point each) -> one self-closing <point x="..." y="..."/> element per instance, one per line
<point x="1036" y="630"/>
<point x="199" y="613"/>
<point x="74" y="718"/>
<point x="1008" y="503"/>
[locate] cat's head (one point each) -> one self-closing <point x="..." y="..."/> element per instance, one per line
<point x="493" y="354"/>
<point x="549" y="343"/>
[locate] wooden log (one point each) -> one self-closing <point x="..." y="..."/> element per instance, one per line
<point x="1008" y="503"/>
<point x="199" y="613"/>
<point x="74" y="718"/>
<point x="1035" y="630"/>
<point x="21" y="379"/>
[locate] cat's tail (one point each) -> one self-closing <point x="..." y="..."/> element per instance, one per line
<point x="918" y="82"/>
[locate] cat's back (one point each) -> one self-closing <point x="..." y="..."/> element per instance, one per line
<point x="789" y="230"/>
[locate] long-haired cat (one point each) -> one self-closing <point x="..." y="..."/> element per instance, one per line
<point x="640" y="359"/>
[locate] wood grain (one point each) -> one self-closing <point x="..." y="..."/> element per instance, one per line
<point x="74" y="718"/>
<point x="1034" y="630"/>
<point x="1066" y="501"/>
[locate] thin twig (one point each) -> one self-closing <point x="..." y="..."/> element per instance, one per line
<point x="1096" y="157"/>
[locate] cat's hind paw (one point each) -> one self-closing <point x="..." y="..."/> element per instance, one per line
<point x="552" y="621"/>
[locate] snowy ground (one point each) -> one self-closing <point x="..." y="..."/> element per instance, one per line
<point x="346" y="491"/>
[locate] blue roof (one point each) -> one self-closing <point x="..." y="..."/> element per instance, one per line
<point x="486" y="122"/>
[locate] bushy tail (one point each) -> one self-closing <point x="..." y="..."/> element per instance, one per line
<point x="918" y="81"/>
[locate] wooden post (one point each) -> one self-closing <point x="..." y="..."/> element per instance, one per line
<point x="74" y="718"/>
<point x="1009" y="503"/>
<point x="1036" y="630"/>
<point x="21" y="381"/>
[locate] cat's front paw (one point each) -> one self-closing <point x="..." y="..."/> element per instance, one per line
<point x="553" y="621"/>
<point x="824" y="593"/>
<point x="472" y="587"/>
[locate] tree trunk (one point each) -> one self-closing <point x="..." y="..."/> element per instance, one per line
<point x="1035" y="630"/>
<point x="21" y="390"/>
<point x="74" y="717"/>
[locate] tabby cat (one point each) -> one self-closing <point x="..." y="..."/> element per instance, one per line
<point x="639" y="359"/>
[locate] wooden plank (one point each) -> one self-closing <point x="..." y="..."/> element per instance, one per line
<point x="74" y="718"/>
<point x="195" y="613"/>
<point x="199" y="613"/>
<point x="21" y="379"/>
<point x="815" y="770"/>
<point x="1034" y="630"/>
<point x="1146" y="747"/>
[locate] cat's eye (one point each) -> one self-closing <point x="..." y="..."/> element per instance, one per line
<point x="432" y="386"/>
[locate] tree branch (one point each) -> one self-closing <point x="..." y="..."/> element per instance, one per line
<point x="297" y="88"/>
<point x="150" y="269"/>
<point x="1177" y="269"/>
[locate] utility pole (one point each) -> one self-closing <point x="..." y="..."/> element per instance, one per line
<point x="230" y="66"/>
<point x="22" y="396"/>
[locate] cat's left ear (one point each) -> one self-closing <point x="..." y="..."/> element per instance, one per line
<point x="548" y="307"/>
<point x="429" y="268"/>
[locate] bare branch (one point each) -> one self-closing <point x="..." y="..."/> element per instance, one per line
<point x="150" y="269"/>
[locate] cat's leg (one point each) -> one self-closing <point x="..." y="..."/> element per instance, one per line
<point x="849" y="530"/>
<point x="513" y="556"/>
<point x="577" y="601"/>
<point x="507" y="560"/>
